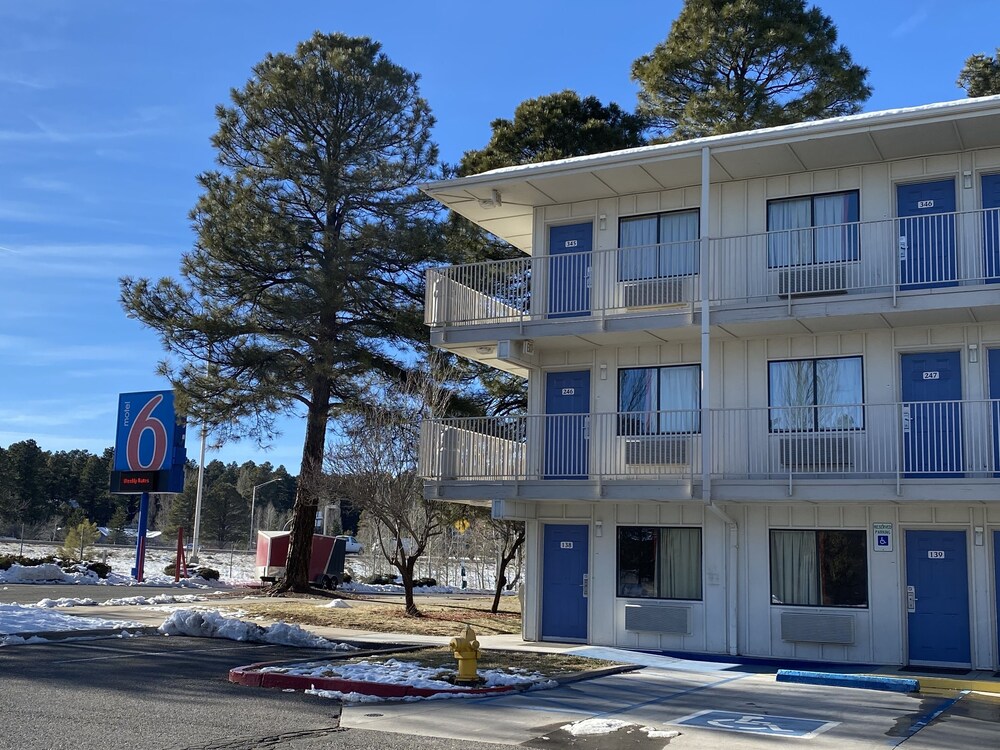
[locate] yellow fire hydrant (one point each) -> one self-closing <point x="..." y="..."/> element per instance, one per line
<point x="466" y="650"/>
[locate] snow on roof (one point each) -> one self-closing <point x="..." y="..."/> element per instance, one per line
<point x="748" y="136"/>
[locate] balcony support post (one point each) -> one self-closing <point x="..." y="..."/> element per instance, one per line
<point x="706" y="338"/>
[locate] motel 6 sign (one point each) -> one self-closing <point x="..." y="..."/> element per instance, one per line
<point x="149" y="445"/>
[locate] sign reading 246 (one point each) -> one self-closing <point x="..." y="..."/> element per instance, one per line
<point x="145" y="435"/>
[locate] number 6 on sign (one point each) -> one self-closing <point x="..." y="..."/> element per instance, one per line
<point x="145" y="421"/>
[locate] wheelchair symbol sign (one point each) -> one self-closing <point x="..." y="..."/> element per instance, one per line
<point x="773" y="726"/>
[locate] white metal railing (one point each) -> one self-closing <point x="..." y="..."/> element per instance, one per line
<point x="563" y="446"/>
<point x="887" y="256"/>
<point x="929" y="439"/>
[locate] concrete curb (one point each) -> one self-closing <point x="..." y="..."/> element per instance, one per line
<point x="591" y="674"/>
<point x="252" y="676"/>
<point x="64" y="635"/>
<point x="864" y="681"/>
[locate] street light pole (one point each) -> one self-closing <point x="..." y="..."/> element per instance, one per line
<point x="197" y="501"/>
<point x="253" y="503"/>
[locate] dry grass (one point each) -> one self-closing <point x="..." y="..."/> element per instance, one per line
<point x="441" y="616"/>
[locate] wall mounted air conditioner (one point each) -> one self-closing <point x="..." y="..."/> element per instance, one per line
<point x="827" y="278"/>
<point x="817" y="452"/>
<point x="655" y="292"/>
<point x="645" y="451"/>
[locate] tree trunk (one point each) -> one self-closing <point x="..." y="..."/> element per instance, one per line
<point x="406" y="573"/>
<point x="502" y="571"/>
<point x="307" y="492"/>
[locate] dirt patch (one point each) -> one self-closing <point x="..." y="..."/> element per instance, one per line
<point x="439" y="617"/>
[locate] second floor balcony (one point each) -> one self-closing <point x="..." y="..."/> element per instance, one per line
<point x="917" y="450"/>
<point x="883" y="260"/>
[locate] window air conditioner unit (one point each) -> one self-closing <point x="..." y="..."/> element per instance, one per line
<point x="655" y="292"/>
<point x="647" y="451"/>
<point x="817" y="453"/>
<point x="820" y="279"/>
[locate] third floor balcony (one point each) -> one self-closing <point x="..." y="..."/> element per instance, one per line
<point x="932" y="261"/>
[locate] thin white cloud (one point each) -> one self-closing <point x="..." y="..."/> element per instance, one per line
<point x="79" y="261"/>
<point x="47" y="185"/>
<point x="912" y="21"/>
<point x="95" y="442"/>
<point x="22" y="81"/>
<point x="53" y="413"/>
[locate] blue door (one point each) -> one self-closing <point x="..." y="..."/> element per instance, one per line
<point x="932" y="414"/>
<point x="994" y="391"/>
<point x="926" y="234"/>
<point x="991" y="227"/>
<point x="564" y="582"/>
<point x="996" y="580"/>
<point x="567" y="414"/>
<point x="569" y="270"/>
<point x="937" y="597"/>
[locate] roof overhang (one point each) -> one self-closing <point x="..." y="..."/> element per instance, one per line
<point x="503" y="201"/>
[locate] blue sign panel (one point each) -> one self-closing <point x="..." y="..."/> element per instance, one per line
<point x="149" y="444"/>
<point x="773" y="726"/>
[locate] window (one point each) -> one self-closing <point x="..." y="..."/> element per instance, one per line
<point x="653" y="247"/>
<point x="659" y="400"/>
<point x="812" y="229"/>
<point x="659" y="563"/>
<point x="809" y="395"/>
<point x="819" y="568"/>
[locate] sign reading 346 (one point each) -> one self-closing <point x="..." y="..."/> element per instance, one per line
<point x="145" y="435"/>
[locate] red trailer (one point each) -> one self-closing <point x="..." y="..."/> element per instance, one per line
<point x="326" y="565"/>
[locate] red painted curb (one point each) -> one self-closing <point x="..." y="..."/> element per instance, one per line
<point x="251" y="676"/>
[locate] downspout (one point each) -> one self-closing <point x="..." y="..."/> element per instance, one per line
<point x="706" y="422"/>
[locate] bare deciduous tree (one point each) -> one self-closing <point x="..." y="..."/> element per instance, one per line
<point x="375" y="463"/>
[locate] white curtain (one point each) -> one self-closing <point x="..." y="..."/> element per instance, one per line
<point x="835" y="237"/>
<point x="789" y="226"/>
<point x="678" y="243"/>
<point x="680" y="564"/>
<point x="637" y="258"/>
<point x="794" y="568"/>
<point x="680" y="392"/>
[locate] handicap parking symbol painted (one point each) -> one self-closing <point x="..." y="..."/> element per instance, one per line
<point x="773" y="726"/>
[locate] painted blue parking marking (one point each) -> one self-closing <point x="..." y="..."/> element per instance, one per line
<point x="772" y="726"/>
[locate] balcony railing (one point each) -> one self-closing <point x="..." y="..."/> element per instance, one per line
<point x="887" y="257"/>
<point x="918" y="440"/>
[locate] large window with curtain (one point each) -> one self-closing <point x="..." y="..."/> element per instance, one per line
<point x="813" y="229"/>
<point x="819" y="568"/>
<point x="659" y="562"/>
<point x="812" y="395"/>
<point x="659" y="400"/>
<point x="658" y="246"/>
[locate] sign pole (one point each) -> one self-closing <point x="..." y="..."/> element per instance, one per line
<point x="140" y="542"/>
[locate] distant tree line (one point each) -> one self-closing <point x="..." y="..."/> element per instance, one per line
<point x="44" y="493"/>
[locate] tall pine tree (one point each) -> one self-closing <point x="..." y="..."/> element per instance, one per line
<point x="308" y="265"/>
<point x="981" y="75"/>
<point x="731" y="65"/>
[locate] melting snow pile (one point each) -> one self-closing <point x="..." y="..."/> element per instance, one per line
<point x="395" y="672"/>
<point x="64" y="602"/>
<point x="608" y="726"/>
<point x="336" y="604"/>
<point x="214" y="625"/>
<point x="139" y="601"/>
<point x="15" y="618"/>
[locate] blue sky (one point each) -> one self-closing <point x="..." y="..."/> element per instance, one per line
<point x="106" y="109"/>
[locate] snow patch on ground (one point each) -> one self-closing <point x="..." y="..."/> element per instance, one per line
<point x="395" y="672"/>
<point x="336" y="604"/>
<point x="597" y="726"/>
<point x="211" y="624"/>
<point x="64" y="602"/>
<point x="142" y="601"/>
<point x="16" y="618"/>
